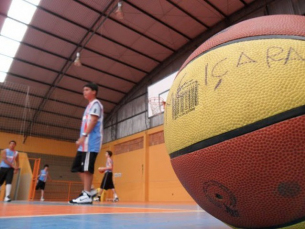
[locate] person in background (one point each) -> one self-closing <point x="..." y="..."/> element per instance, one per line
<point x="9" y="165"/>
<point x="42" y="179"/>
<point x="107" y="182"/>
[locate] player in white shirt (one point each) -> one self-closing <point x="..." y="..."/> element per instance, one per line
<point x="89" y="143"/>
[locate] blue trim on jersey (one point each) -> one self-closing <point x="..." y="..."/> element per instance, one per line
<point x="43" y="175"/>
<point x="94" y="140"/>
<point x="10" y="157"/>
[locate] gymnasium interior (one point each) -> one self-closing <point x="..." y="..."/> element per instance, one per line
<point x="49" y="49"/>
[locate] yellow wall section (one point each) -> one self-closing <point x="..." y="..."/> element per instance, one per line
<point x="25" y="177"/>
<point x="163" y="183"/>
<point x="147" y="174"/>
<point x="39" y="145"/>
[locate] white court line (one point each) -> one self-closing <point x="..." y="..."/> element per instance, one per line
<point x="115" y="206"/>
<point x="113" y="213"/>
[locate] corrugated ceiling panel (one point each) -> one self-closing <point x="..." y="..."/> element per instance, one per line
<point x="156" y="51"/>
<point x="77" y="99"/>
<point x="101" y="78"/>
<point x="121" y="53"/>
<point x="172" y="16"/>
<point x="51" y="132"/>
<point x="228" y="6"/>
<point x="149" y="26"/>
<point x="64" y="109"/>
<point x="18" y="97"/>
<point x="72" y="11"/>
<point x="40" y="58"/>
<point x="33" y="72"/>
<point x="12" y="125"/>
<point x="57" y="26"/>
<point x="66" y="96"/>
<point x="130" y="38"/>
<point x="58" y="120"/>
<point x="19" y="112"/>
<point x="201" y="10"/>
<point x="29" y="83"/>
<point x="70" y="134"/>
<point x="166" y="36"/>
<point x="103" y="93"/>
<point x="108" y="65"/>
<point x="97" y="4"/>
<point x="126" y="72"/>
<point x="48" y="42"/>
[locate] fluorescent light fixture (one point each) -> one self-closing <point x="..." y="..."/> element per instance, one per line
<point x="8" y="47"/>
<point x="21" y="11"/>
<point x="35" y="2"/>
<point x="13" y="31"/>
<point x="77" y="61"/>
<point x="5" y="63"/>
<point x="119" y="13"/>
<point x="2" y="76"/>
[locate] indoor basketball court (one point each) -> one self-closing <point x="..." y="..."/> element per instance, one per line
<point x="152" y="114"/>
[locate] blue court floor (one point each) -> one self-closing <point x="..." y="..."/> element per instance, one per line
<point x="26" y="215"/>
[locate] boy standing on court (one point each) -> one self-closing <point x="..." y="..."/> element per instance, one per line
<point x="42" y="179"/>
<point x="89" y="143"/>
<point x="9" y="165"/>
<point x="107" y="182"/>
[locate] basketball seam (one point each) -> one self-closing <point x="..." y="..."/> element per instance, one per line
<point x="295" y="112"/>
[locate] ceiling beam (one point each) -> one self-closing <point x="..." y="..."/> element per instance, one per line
<point x="39" y="96"/>
<point x="158" y="20"/>
<point x="73" y="43"/>
<point x="66" y="67"/>
<point x="216" y="8"/>
<point x="39" y="135"/>
<point x="188" y="14"/>
<point x="37" y="122"/>
<point x="65" y="58"/>
<point x="97" y="33"/>
<point x="49" y="112"/>
<point x="126" y="26"/>
<point x="243" y="2"/>
<point x="52" y="70"/>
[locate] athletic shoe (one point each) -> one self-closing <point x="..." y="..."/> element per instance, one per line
<point x="82" y="199"/>
<point x="116" y="199"/>
<point x="7" y="199"/>
<point x="93" y="192"/>
<point x="42" y="199"/>
<point x="98" y="199"/>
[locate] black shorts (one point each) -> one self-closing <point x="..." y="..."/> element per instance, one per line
<point x="40" y="185"/>
<point x="84" y="162"/>
<point x="6" y="174"/>
<point x="107" y="182"/>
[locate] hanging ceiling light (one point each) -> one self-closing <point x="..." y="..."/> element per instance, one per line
<point x="77" y="61"/>
<point x="119" y="13"/>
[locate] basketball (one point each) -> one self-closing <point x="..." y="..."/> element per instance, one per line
<point x="102" y="169"/>
<point x="234" y="123"/>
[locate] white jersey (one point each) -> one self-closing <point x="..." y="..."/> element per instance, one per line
<point x="93" y="141"/>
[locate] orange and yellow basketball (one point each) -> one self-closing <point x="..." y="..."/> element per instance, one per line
<point x="234" y="123"/>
